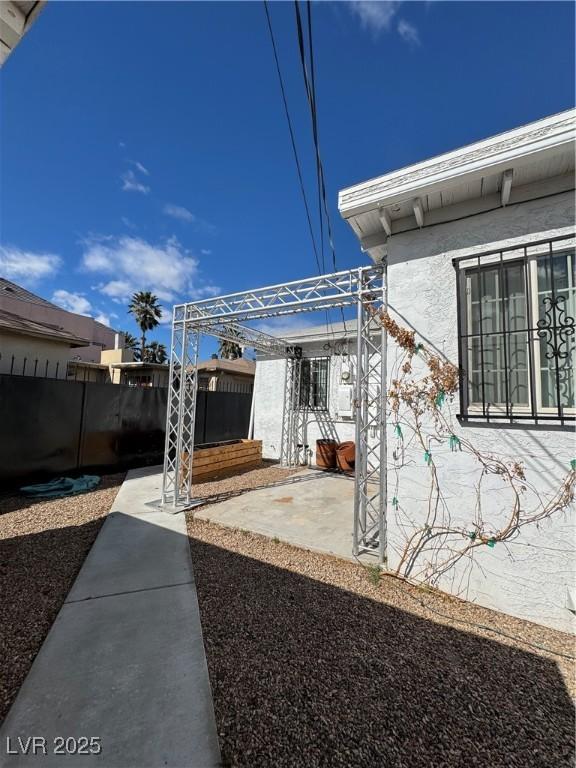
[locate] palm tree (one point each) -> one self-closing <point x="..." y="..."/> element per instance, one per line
<point x="147" y="312"/>
<point x="229" y="350"/>
<point x="131" y="343"/>
<point x="155" y="353"/>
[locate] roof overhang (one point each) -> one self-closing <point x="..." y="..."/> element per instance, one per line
<point x="138" y="366"/>
<point x="21" y="326"/>
<point x="16" y="18"/>
<point x="490" y="173"/>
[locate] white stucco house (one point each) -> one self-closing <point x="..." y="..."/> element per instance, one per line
<point x="480" y="251"/>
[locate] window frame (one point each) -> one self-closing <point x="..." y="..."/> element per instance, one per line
<point x="528" y="256"/>
<point x="305" y="403"/>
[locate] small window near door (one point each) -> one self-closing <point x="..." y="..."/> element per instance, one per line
<point x="517" y="310"/>
<point x="314" y="383"/>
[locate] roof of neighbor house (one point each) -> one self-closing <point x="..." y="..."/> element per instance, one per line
<point x="136" y="365"/>
<point x="492" y="173"/>
<point x="14" y="291"/>
<point x="25" y="327"/>
<point x="18" y="292"/>
<point x="240" y="367"/>
<point x="16" y="19"/>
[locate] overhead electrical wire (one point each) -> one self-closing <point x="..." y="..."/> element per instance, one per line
<point x="292" y="138"/>
<point x="310" y="87"/>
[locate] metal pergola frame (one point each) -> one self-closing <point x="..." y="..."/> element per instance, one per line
<point x="222" y="317"/>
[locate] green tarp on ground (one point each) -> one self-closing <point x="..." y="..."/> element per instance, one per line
<point x="62" y="486"/>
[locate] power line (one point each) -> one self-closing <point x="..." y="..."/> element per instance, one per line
<point x="292" y="139"/>
<point x="310" y="87"/>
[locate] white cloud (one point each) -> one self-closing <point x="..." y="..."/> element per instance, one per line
<point x="179" y="212"/>
<point x="26" y="266"/>
<point x="166" y="318"/>
<point x="205" y="252"/>
<point x="140" y="167"/>
<point x="130" y="183"/>
<point x="183" y="214"/>
<point x="72" y="302"/>
<point x="127" y="223"/>
<point x="133" y="264"/>
<point x="285" y="326"/>
<point x="408" y="32"/>
<point x="119" y="290"/>
<point x="375" y="15"/>
<point x="102" y="318"/>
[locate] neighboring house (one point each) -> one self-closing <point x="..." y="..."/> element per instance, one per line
<point x="117" y="366"/>
<point x="480" y="248"/>
<point x="136" y="374"/>
<point x="220" y="375"/>
<point x="33" y="348"/>
<point x="30" y="308"/>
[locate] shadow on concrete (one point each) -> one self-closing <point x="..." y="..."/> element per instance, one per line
<point x="307" y="674"/>
<point x="308" y="475"/>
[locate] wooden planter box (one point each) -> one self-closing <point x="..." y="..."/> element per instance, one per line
<point x="217" y="460"/>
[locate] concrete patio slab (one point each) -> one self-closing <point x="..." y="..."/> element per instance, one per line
<point x="124" y="660"/>
<point x="311" y="509"/>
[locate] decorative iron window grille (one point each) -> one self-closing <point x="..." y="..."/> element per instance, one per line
<point x="314" y="383"/>
<point x="517" y="336"/>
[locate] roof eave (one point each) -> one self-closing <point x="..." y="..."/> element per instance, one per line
<point x="460" y="166"/>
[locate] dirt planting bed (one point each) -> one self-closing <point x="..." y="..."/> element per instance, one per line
<point x="313" y="663"/>
<point x="42" y="547"/>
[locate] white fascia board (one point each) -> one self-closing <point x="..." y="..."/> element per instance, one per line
<point x="453" y="168"/>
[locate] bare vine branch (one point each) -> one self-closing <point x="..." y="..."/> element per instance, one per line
<point x="418" y="406"/>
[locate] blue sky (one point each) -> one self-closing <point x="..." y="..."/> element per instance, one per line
<point x="144" y="145"/>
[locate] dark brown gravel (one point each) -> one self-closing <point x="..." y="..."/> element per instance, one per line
<point x="312" y="664"/>
<point x="42" y="546"/>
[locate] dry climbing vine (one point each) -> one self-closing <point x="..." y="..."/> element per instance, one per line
<point x="422" y="387"/>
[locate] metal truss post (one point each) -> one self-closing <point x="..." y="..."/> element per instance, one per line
<point x="290" y="419"/>
<point x="302" y="436"/>
<point x="222" y="317"/>
<point x="370" y="477"/>
<point x="181" y="412"/>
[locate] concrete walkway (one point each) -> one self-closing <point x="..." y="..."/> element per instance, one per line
<point x="124" y="661"/>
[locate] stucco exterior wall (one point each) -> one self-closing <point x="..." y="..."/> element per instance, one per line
<point x="269" y="403"/>
<point x="530" y="576"/>
<point x="52" y="356"/>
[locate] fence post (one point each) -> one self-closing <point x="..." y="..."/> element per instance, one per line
<point x="81" y="427"/>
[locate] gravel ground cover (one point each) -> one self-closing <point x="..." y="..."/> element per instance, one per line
<point x="42" y="546"/>
<point x="312" y="663"/>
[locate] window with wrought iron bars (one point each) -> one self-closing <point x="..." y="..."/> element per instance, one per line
<point x="314" y="383"/>
<point x="517" y="337"/>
